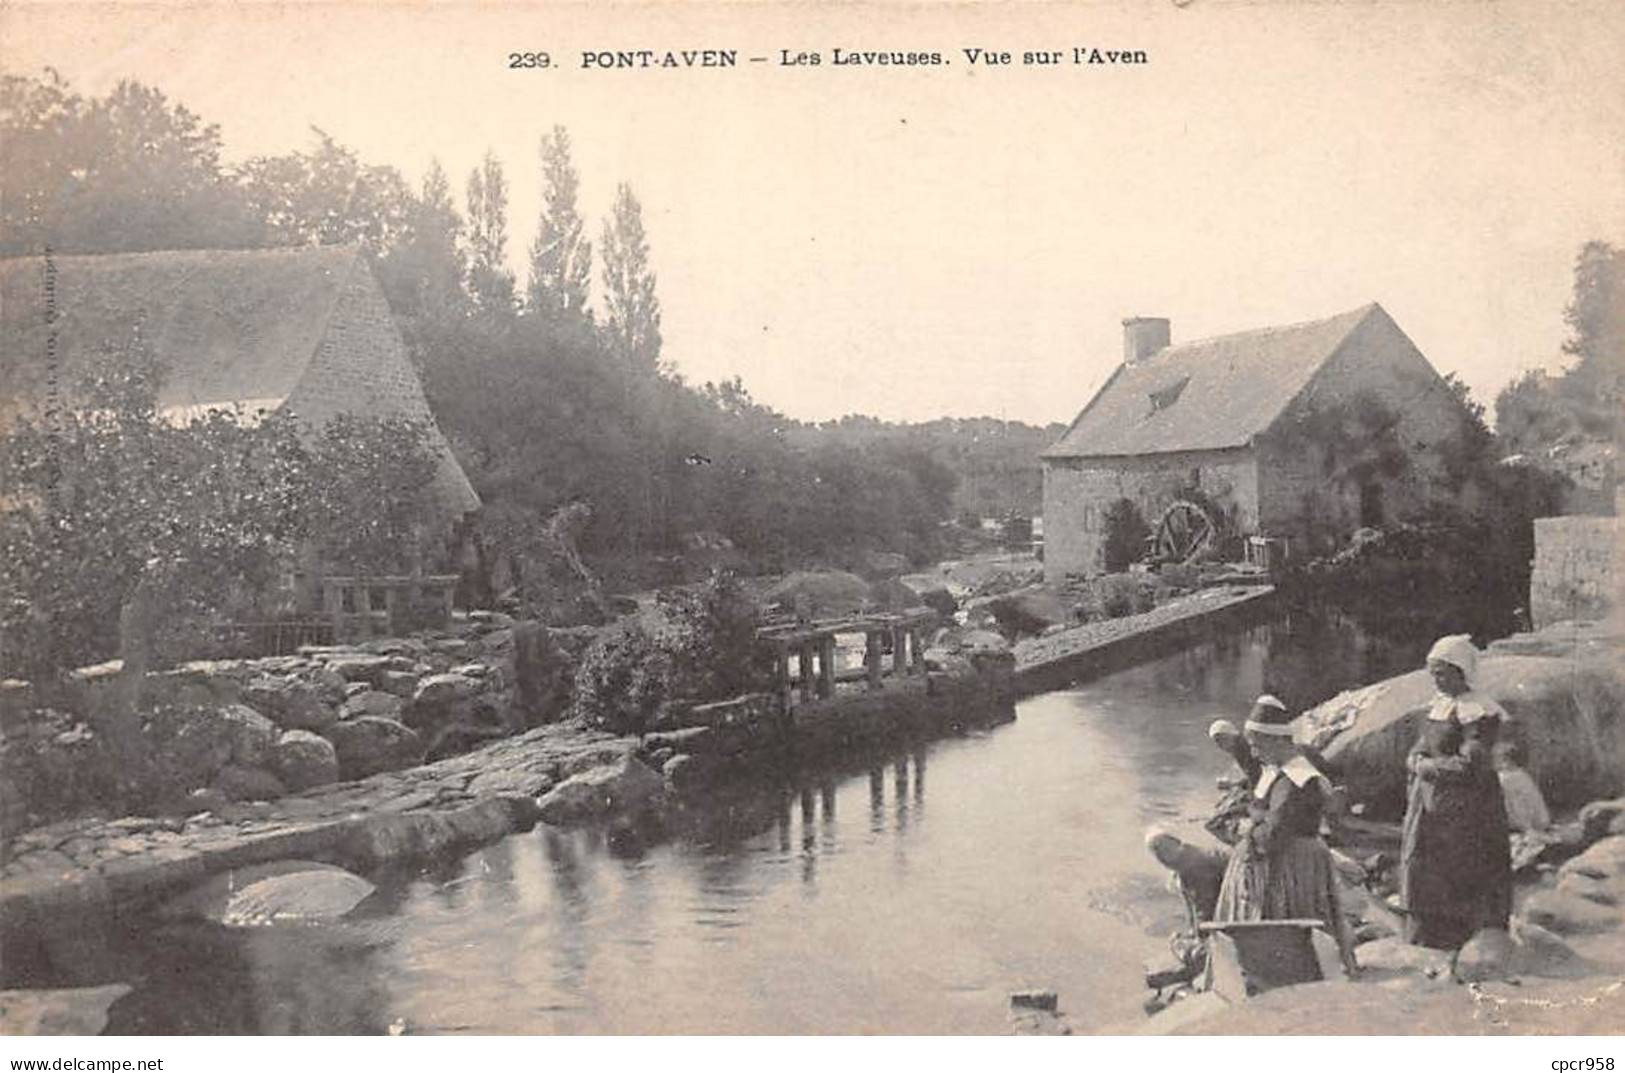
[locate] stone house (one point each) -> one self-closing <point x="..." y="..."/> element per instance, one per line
<point x="306" y="329"/>
<point x="1248" y="426"/>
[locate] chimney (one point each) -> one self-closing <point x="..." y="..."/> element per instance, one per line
<point x="1143" y="337"/>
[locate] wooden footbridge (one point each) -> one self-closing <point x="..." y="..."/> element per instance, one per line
<point x="812" y="646"/>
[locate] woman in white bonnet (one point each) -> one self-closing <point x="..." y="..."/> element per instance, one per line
<point x="1456" y="868"/>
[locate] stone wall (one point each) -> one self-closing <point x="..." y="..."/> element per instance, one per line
<point x="1577" y="569"/>
<point x="361" y="367"/>
<point x="1297" y="500"/>
<point x="1077" y="493"/>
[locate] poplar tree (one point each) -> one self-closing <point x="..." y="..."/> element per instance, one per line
<point x="561" y="256"/>
<point x="489" y="282"/>
<point x="631" y="309"/>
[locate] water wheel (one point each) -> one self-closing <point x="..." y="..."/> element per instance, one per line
<point x="1184" y="531"/>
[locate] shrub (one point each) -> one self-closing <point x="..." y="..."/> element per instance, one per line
<point x="697" y="645"/>
<point x="1114" y="596"/>
<point x="1126" y="533"/>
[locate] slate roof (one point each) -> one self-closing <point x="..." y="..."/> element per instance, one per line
<point x="1208" y="394"/>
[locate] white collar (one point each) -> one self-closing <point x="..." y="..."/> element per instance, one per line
<point x="1300" y="770"/>
<point x="1467" y="707"/>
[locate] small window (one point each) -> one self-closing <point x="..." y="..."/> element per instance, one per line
<point x="1164" y="397"/>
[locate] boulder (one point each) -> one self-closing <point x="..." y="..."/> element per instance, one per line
<point x="542" y="674"/>
<point x="359" y="667"/>
<point x="290" y="703"/>
<point x="302" y="760"/>
<point x="1539" y="952"/>
<point x="247" y="784"/>
<point x="682" y="771"/>
<point x="1566" y="711"/>
<point x="1393" y="955"/>
<point x="472" y="670"/>
<point x="686" y="740"/>
<point x="330" y="686"/>
<point x="1488" y="955"/>
<point x="821" y="593"/>
<point x="277" y="892"/>
<point x="371" y="702"/>
<point x="402" y="683"/>
<point x="1601" y="891"/>
<point x="1029" y="611"/>
<point x="72" y="1011"/>
<point x="1568" y="914"/>
<point x="196" y="742"/>
<point x="370" y="744"/>
<point x="982" y="642"/>
<point x="1604" y="859"/>
<point x="1601" y="818"/>
<point x="439" y="689"/>
<point x="627" y="790"/>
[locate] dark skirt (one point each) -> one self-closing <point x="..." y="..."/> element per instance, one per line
<point x="1456" y="864"/>
<point x="1297" y="881"/>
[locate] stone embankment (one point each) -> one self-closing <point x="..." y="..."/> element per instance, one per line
<point x="1111" y="644"/>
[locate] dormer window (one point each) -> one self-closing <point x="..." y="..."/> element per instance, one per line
<point x="1165" y="397"/>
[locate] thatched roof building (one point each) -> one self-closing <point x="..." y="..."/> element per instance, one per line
<point x="306" y="329"/>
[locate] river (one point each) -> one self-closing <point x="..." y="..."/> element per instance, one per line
<point x="909" y="893"/>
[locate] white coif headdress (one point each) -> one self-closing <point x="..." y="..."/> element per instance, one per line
<point x="1458" y="651"/>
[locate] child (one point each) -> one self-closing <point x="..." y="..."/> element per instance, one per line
<point x="1528" y="820"/>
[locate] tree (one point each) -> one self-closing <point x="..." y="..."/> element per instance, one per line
<point x="326" y="197"/>
<point x="1540" y="411"/>
<point x="631" y="309"/>
<point x="108" y="496"/>
<point x="129" y="171"/>
<point x="561" y="256"/>
<point x="422" y="276"/>
<point x="490" y="284"/>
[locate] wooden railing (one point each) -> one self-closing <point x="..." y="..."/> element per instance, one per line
<point x="388" y="604"/>
<point x="813" y="645"/>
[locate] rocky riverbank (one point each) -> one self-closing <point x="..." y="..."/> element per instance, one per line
<point x="63" y="885"/>
<point x="1560" y="969"/>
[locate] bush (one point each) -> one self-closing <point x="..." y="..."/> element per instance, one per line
<point x="698" y="645"/>
<point x="1114" y="596"/>
<point x="1126" y="533"/>
<point x="111" y="496"/>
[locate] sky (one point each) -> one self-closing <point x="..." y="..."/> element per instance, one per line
<point x="963" y="239"/>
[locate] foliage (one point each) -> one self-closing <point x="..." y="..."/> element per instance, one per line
<point x="109" y="496"/>
<point x="698" y="645"/>
<point x="490" y="284"/>
<point x="1113" y="596"/>
<point x="367" y="506"/>
<point x="128" y="171"/>
<point x="539" y="413"/>
<point x="326" y="197"/>
<point x="560" y="256"/>
<point x="1126" y="533"/>
<point x="1356" y="439"/>
<point x="1586" y="401"/>
<point x="110" y="493"/>
<point x="631" y="309"/>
